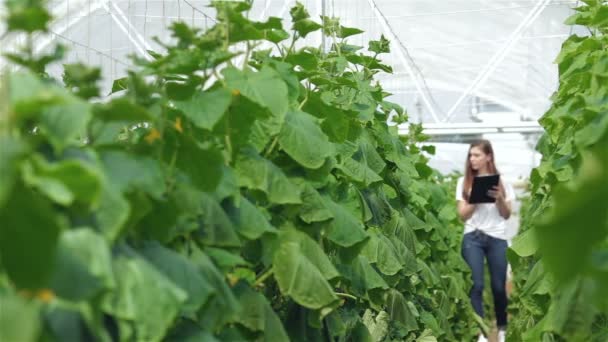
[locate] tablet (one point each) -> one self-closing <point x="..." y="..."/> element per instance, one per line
<point x="481" y="186"/>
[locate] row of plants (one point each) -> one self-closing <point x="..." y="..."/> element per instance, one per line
<point x="223" y="192"/>
<point x="560" y="258"/>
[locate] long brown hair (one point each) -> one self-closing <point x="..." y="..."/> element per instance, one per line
<point x="469" y="173"/>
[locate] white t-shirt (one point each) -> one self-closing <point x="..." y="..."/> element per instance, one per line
<point x="486" y="216"/>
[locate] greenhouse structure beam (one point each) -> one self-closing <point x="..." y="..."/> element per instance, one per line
<point x="138" y="41"/>
<point x="437" y="129"/>
<point x="500" y="55"/>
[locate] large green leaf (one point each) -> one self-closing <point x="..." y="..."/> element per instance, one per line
<point x="362" y="275"/>
<point x="182" y="272"/>
<point x="258" y="315"/>
<point x="305" y="26"/>
<point x="264" y="87"/>
<point x="216" y="229"/>
<point x="19" y="318"/>
<point x="344" y="229"/>
<point x="202" y="166"/>
<point x="84" y="265"/>
<point x="380" y="250"/>
<point x="302" y="269"/>
<point x="64" y="182"/>
<point x="359" y="172"/>
<point x="205" y="109"/>
<point x="249" y="220"/>
<point x="112" y="213"/>
<point x="121" y="110"/>
<point x="258" y="173"/>
<point x="400" y="311"/>
<point x="525" y="244"/>
<point x="304" y="141"/>
<point x="130" y="172"/>
<point x="581" y="204"/>
<point x="221" y="308"/>
<point x="313" y="208"/>
<point x="11" y="151"/>
<point x="137" y="283"/>
<point x="28" y="220"/>
<point x="64" y="123"/>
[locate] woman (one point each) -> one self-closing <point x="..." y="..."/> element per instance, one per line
<point x="484" y="232"/>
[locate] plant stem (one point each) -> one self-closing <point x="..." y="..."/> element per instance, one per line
<point x="274" y="142"/>
<point x="346" y="295"/>
<point x="263" y="277"/>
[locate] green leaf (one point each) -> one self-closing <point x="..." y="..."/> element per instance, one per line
<point x="64" y="182"/>
<point x="188" y="331"/>
<point x="39" y="229"/>
<point x="362" y="275"/>
<point x="298" y="12"/>
<point x="524" y="244"/>
<point x="182" y="273"/>
<point x="258" y="173"/>
<point x="112" y="213"/>
<point x="64" y="123"/>
<point x="313" y="207"/>
<point x="380" y="250"/>
<point x="83" y="267"/>
<point x="216" y="228"/>
<point x="344" y="229"/>
<point x="302" y="270"/>
<point x="359" y="172"/>
<point x="26" y="16"/>
<point x="11" y="153"/>
<point x="379" y="46"/>
<point x="258" y="314"/>
<point x="81" y="79"/>
<point x="129" y="172"/>
<point x="579" y="204"/>
<point x="302" y="139"/>
<point x="20" y="318"/>
<point x="205" y="109"/>
<point x="400" y="312"/>
<point x="305" y="26"/>
<point x="344" y="31"/>
<point x="222" y="307"/>
<point x="264" y="87"/>
<point x="249" y="220"/>
<point x="120" y="84"/>
<point x="225" y="260"/>
<point x="122" y="110"/>
<point x="203" y="166"/>
<point x="593" y="132"/>
<point x="136" y="283"/>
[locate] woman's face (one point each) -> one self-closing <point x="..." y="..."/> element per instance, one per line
<point x="479" y="160"/>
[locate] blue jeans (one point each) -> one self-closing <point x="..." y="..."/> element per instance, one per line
<point x="476" y="245"/>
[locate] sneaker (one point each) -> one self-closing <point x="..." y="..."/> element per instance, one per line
<point x="482" y="338"/>
<point x="501" y="335"/>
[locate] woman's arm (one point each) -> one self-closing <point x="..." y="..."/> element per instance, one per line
<point x="465" y="210"/>
<point x="504" y="206"/>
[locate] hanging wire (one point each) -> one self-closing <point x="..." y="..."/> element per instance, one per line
<point x="199" y="11"/>
<point x="179" y="10"/>
<point x="69" y="15"/>
<point x="88" y="32"/>
<point x="145" y="17"/>
<point x="112" y="71"/>
<point x="572" y="26"/>
<point x="411" y="61"/>
<point x="89" y="48"/>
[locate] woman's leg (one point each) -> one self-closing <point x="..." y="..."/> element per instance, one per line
<point x="497" y="263"/>
<point x="473" y="254"/>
